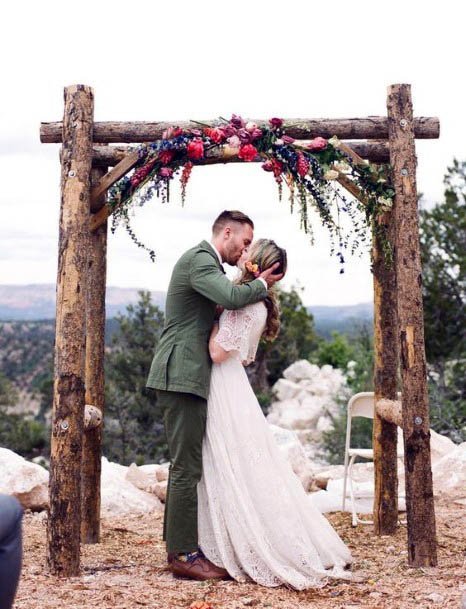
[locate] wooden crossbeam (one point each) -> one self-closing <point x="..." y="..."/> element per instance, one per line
<point x="374" y="151"/>
<point x="109" y="179"/>
<point x="371" y="127"/>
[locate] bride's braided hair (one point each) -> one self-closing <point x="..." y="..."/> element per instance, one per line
<point x="265" y="253"/>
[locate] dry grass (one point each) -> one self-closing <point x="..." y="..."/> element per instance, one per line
<point x="127" y="571"/>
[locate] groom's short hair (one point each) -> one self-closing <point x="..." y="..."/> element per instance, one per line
<point x="228" y="216"/>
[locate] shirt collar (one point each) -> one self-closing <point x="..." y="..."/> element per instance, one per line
<point x="217" y="252"/>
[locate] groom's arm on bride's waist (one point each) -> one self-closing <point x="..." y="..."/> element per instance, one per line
<point x="207" y="279"/>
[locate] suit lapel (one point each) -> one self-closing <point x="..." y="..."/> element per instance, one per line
<point x="208" y="247"/>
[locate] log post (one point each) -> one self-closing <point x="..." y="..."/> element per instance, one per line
<point x="63" y="536"/>
<point x="384" y="434"/>
<point x="422" y="550"/>
<point x="95" y="378"/>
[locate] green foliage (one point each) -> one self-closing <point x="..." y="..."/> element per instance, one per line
<point x="134" y="429"/>
<point x="354" y="355"/>
<point x="443" y="252"/>
<point x="336" y="352"/>
<point x="297" y="338"/>
<point x="23" y="436"/>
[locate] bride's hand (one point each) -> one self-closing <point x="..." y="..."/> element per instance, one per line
<point x="269" y="276"/>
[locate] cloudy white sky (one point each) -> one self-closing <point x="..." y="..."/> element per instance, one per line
<point x="198" y="60"/>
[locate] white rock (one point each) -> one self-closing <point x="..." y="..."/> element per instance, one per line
<point x="302" y="369"/>
<point x="141" y="479"/>
<point x="285" y="389"/>
<point x="293" y="450"/>
<point x="449" y="473"/>
<point x="435" y="597"/>
<point x="161" y="490"/>
<point x="162" y="472"/>
<point x="119" y="496"/>
<point x="24" y="480"/>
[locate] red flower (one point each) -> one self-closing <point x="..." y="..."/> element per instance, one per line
<point x="171" y="132"/>
<point x="195" y="149"/>
<point x="215" y="134"/>
<point x="302" y="165"/>
<point x="276" y="122"/>
<point x="287" y="139"/>
<point x="318" y="143"/>
<point x="166" y="156"/>
<point x="247" y="152"/>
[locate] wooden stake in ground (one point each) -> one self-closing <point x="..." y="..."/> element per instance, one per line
<point x="384" y="435"/>
<point x="95" y="378"/>
<point x="422" y="548"/>
<point x="63" y="535"/>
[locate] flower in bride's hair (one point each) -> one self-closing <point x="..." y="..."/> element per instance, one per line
<point x="253" y="268"/>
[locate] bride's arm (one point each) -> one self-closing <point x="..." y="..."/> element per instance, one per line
<point x="217" y="353"/>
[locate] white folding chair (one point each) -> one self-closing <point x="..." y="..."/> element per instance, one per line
<point x="359" y="405"/>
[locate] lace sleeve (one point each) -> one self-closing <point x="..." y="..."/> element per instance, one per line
<point x="234" y="332"/>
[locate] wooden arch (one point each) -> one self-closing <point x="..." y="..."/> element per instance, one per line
<point x="75" y="466"/>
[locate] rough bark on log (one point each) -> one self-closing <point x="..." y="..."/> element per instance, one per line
<point x="63" y="538"/>
<point x="384" y="433"/>
<point x="422" y="548"/>
<point x="371" y="127"/>
<point x="376" y="151"/>
<point x="92" y="416"/>
<point x="95" y="377"/>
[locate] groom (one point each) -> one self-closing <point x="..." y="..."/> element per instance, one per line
<point x="180" y="373"/>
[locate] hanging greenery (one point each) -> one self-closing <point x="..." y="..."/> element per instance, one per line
<point x="310" y="170"/>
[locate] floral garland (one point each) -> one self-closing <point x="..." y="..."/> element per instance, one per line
<point x="309" y="170"/>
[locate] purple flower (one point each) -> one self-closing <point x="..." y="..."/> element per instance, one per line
<point x="244" y="136"/>
<point x="237" y="121"/>
<point x="256" y="133"/>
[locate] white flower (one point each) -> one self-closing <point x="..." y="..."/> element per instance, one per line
<point x="250" y="126"/>
<point x="279" y="142"/>
<point x="334" y="141"/>
<point x="331" y="174"/>
<point x="385" y="203"/>
<point x="342" y="166"/>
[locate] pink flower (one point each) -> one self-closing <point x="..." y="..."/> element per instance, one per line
<point x="267" y="166"/>
<point x="250" y="126"/>
<point x="318" y="143"/>
<point x="247" y="152"/>
<point x="273" y="165"/>
<point x="165" y="172"/>
<point x="229" y="130"/>
<point x="166" y="156"/>
<point x="276" y="122"/>
<point x="237" y="121"/>
<point x="256" y="134"/>
<point x="287" y="139"/>
<point x="195" y="149"/>
<point x="234" y="141"/>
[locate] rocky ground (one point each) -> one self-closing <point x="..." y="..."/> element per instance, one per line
<point x="127" y="571"/>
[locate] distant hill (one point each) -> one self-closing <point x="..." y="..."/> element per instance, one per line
<point x="37" y="301"/>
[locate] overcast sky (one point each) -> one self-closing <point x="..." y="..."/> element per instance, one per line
<point x="199" y="60"/>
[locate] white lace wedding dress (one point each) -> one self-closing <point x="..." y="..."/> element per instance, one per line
<point x="255" y="519"/>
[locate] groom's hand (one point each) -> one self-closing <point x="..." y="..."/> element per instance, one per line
<point x="269" y="277"/>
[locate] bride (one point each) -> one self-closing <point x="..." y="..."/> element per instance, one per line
<point x="255" y="519"/>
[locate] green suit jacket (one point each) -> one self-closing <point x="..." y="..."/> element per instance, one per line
<point x="198" y="283"/>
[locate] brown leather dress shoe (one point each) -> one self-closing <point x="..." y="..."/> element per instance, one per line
<point x="195" y="566"/>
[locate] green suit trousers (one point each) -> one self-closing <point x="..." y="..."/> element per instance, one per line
<point x="184" y="416"/>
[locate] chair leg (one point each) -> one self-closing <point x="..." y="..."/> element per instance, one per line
<point x="354" y="517"/>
